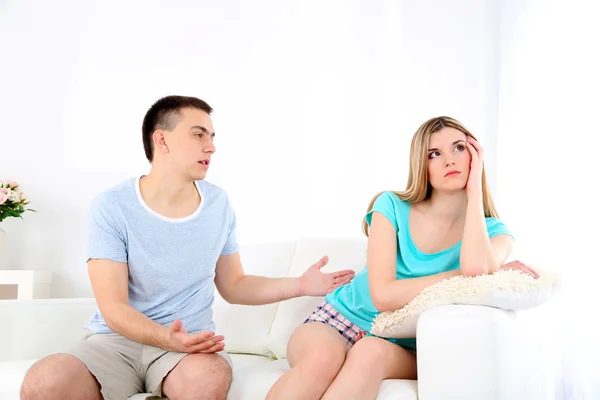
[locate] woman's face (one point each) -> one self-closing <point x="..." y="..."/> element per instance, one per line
<point x="448" y="160"/>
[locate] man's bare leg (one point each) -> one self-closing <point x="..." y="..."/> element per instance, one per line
<point x="198" y="377"/>
<point x="60" y="376"/>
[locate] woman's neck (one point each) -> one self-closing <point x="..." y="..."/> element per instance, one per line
<point x="448" y="207"/>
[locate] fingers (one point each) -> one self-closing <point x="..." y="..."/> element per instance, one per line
<point x="321" y="263"/>
<point x="472" y="150"/>
<point x="344" y="273"/>
<point x="473" y="142"/>
<point x="214" y="349"/>
<point x="523" y="268"/>
<point x="206" y="344"/>
<point x="476" y="146"/>
<point x="209" y="346"/>
<point x="205" y="335"/>
<point x="342" y="280"/>
<point x="176" y="325"/>
<point x="530" y="270"/>
<point x="509" y="264"/>
<point x="200" y="337"/>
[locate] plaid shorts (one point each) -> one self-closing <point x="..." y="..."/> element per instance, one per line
<point x="328" y="315"/>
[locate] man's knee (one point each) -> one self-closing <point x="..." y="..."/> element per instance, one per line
<point x="56" y="375"/>
<point x="206" y="378"/>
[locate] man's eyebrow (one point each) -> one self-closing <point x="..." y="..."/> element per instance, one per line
<point x="453" y="143"/>
<point x="203" y="129"/>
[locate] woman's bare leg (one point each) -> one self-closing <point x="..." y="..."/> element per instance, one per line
<point x="315" y="352"/>
<point x="369" y="362"/>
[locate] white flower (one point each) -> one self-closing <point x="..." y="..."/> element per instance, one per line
<point x="14" y="196"/>
<point x="23" y="197"/>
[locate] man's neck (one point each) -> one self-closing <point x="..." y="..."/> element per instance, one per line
<point x="448" y="207"/>
<point x="162" y="189"/>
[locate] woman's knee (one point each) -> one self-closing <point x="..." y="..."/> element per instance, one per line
<point x="371" y="349"/>
<point x="384" y="358"/>
<point x="55" y="375"/>
<point x="318" y="349"/>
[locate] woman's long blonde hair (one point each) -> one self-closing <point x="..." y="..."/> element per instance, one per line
<point x="418" y="187"/>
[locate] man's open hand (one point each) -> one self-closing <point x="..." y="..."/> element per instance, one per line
<point x="179" y="340"/>
<point x="314" y="282"/>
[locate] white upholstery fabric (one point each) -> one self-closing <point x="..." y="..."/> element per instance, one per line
<point x="465" y="352"/>
<point x="477" y="352"/>
<point x="33" y="328"/>
<point x="343" y="254"/>
<point x="272" y="260"/>
<point x="252" y="379"/>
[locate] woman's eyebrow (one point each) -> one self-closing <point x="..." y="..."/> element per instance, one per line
<point x="453" y="143"/>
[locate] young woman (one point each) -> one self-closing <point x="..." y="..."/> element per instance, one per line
<point x="444" y="224"/>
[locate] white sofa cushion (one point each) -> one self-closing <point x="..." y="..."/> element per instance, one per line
<point x="246" y="328"/>
<point x="253" y="383"/>
<point x="253" y="377"/>
<point x="11" y="377"/>
<point x="343" y="254"/>
<point x="499" y="351"/>
<point x="13" y="372"/>
<point x="28" y="328"/>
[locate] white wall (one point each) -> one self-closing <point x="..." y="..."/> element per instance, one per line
<point x="548" y="166"/>
<point x="315" y="105"/>
<point x="548" y="129"/>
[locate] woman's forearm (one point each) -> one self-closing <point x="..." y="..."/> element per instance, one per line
<point x="396" y="294"/>
<point x="476" y="252"/>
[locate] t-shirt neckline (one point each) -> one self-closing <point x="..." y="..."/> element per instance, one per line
<point x="164" y="218"/>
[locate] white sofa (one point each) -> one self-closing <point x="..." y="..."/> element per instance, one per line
<point x="465" y="352"/>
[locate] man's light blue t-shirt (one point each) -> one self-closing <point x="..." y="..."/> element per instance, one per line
<point x="353" y="301"/>
<point x="171" y="260"/>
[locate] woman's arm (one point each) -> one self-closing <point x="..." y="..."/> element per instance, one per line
<point x="387" y="292"/>
<point x="478" y="253"/>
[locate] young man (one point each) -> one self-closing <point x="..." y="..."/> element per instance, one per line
<point x="156" y="244"/>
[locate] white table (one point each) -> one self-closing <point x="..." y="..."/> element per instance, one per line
<point x="30" y="284"/>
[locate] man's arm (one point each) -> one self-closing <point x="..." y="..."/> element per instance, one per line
<point x="238" y="288"/>
<point x="109" y="281"/>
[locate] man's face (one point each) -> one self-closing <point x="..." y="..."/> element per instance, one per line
<point x="189" y="146"/>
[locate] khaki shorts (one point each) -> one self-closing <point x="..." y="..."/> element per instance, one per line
<point x="124" y="367"/>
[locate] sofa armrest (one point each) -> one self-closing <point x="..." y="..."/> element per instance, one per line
<point x="475" y="352"/>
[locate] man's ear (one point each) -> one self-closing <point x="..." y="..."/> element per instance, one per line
<point x="159" y="140"/>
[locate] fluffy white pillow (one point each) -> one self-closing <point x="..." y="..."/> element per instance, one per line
<point x="506" y="289"/>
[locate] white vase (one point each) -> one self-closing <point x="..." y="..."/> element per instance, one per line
<point x="2" y="235"/>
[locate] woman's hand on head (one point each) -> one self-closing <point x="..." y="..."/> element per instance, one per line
<point x="474" y="183"/>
